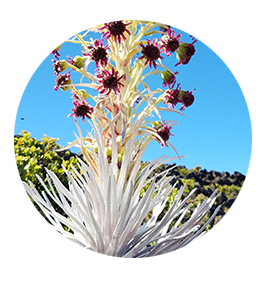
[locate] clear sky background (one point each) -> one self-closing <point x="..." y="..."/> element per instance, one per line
<point x="216" y="134"/>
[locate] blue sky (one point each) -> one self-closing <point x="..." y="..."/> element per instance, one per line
<point x="216" y="134"/>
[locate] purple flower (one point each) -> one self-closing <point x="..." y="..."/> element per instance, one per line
<point x="59" y="66"/>
<point x="62" y="80"/>
<point x="151" y="53"/>
<point x="172" y="97"/>
<point x="98" y="53"/>
<point x="187" y="98"/>
<point x="163" y="131"/>
<point x="116" y="30"/>
<point x="81" y="109"/>
<point x="168" y="77"/>
<point x="109" y="81"/>
<point x="185" y="52"/>
<point x="170" y="43"/>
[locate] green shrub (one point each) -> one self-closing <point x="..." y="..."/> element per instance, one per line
<point x="195" y="169"/>
<point x="32" y="156"/>
<point x="182" y="170"/>
<point x="190" y="184"/>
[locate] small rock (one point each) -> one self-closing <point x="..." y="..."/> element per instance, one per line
<point x="221" y="198"/>
<point x="240" y="176"/>
<point x="235" y="181"/>
<point x="223" y="181"/>
<point x="225" y="174"/>
<point x="215" y="173"/>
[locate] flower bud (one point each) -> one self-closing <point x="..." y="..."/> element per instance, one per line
<point x="163" y="130"/>
<point x="83" y="93"/>
<point x="168" y="77"/>
<point x="156" y="124"/>
<point x="78" y="62"/>
<point x="184" y="53"/>
<point x="187" y="98"/>
<point x="180" y="51"/>
<point x="59" y="66"/>
<point x="62" y="81"/>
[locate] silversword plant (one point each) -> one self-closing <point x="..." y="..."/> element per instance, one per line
<point x="105" y="209"/>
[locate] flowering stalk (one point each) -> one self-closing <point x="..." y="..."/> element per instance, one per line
<point x="106" y="213"/>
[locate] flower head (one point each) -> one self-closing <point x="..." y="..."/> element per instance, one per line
<point x="116" y="30"/>
<point x="81" y="109"/>
<point x="62" y="80"/>
<point x="59" y="66"/>
<point x="98" y="53"/>
<point x="187" y="98"/>
<point x="109" y="81"/>
<point x="170" y="42"/>
<point x="185" y="52"/>
<point x="60" y="31"/>
<point x="172" y="97"/>
<point x="168" y="77"/>
<point x="163" y="130"/>
<point x="53" y="46"/>
<point x="151" y="53"/>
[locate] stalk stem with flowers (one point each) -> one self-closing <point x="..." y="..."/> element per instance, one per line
<point x="105" y="209"/>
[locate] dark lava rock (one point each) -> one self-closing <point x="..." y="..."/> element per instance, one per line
<point x="215" y="173"/>
<point x="195" y="176"/>
<point x="228" y="203"/>
<point x="236" y="181"/>
<point x="222" y="181"/>
<point x="225" y="174"/>
<point x="221" y="198"/>
<point x="239" y="176"/>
